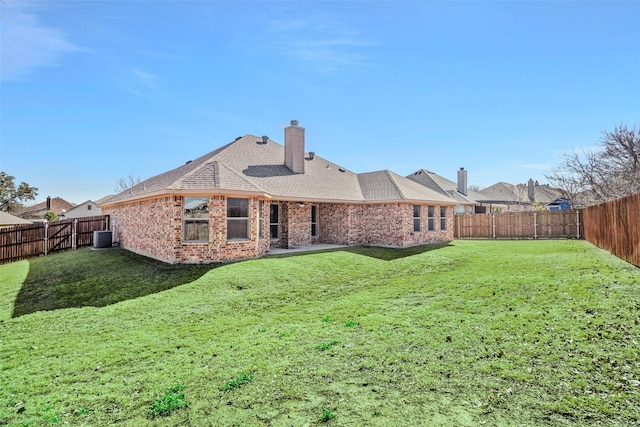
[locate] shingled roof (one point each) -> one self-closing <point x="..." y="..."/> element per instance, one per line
<point x="445" y="186"/>
<point x="518" y="193"/>
<point x="249" y="166"/>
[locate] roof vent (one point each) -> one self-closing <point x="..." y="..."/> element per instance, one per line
<point x="237" y="138"/>
<point x="265" y="139"/>
<point x="188" y="161"/>
<point x="312" y="155"/>
<point x="341" y="170"/>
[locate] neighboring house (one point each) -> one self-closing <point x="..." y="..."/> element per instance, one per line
<point x="468" y="200"/>
<point x="37" y="211"/>
<point x="559" y="204"/>
<point x="88" y="208"/>
<point x="8" y="220"/>
<point x="518" y="197"/>
<point x="239" y="200"/>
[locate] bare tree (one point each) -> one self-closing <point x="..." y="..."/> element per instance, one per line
<point x="126" y="182"/>
<point x="608" y="172"/>
<point x="569" y="185"/>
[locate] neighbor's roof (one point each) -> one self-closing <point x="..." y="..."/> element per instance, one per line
<point x="246" y="166"/>
<point x="58" y="205"/>
<point x="445" y="186"/>
<point x="506" y="192"/>
<point x="6" y="219"/>
<point x="519" y="193"/>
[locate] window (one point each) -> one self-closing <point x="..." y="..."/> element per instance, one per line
<point x="314" y="221"/>
<point x="261" y="220"/>
<point x="88" y="207"/>
<point x="443" y="217"/>
<point x="416" y="217"/>
<point x="196" y="219"/>
<point x="237" y="219"/>
<point x="273" y="221"/>
<point x="431" y="220"/>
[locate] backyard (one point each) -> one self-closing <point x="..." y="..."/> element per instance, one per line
<point x="494" y="333"/>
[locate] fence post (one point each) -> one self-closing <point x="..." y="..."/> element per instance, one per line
<point x="535" y="225"/>
<point x="577" y="224"/>
<point x="46" y="237"/>
<point x="74" y="234"/>
<point x="493" y="221"/>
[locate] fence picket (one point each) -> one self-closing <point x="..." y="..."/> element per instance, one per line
<point x="519" y="225"/>
<point x="615" y="226"/>
<point x="24" y="241"/>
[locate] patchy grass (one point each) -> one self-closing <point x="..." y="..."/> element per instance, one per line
<point x="471" y="333"/>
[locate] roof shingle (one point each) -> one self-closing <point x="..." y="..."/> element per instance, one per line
<point x="249" y="165"/>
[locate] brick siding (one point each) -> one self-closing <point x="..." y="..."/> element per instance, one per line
<point x="154" y="228"/>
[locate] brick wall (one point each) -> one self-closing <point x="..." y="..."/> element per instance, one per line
<point x="298" y="224"/>
<point x="389" y="224"/>
<point x="154" y="228"/>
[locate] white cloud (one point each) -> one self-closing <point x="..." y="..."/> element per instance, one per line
<point x="141" y="82"/>
<point x="26" y="43"/>
<point x="319" y="41"/>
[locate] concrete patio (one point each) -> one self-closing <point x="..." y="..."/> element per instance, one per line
<point x="309" y="248"/>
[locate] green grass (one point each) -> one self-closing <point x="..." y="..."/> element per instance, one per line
<point x="107" y="277"/>
<point x="471" y="333"/>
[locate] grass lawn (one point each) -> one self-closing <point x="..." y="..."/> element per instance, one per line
<point x="472" y="333"/>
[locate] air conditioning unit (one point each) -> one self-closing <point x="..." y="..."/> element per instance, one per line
<point x="102" y="239"/>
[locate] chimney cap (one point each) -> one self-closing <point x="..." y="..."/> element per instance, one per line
<point x="294" y="123"/>
<point x="461" y="168"/>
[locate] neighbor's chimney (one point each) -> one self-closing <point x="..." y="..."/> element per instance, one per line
<point x="462" y="181"/>
<point x="294" y="147"/>
<point x="48" y="203"/>
<point x="531" y="190"/>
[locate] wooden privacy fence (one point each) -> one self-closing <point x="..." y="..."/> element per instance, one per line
<point x="615" y="226"/>
<point x="565" y="224"/>
<point x="42" y="238"/>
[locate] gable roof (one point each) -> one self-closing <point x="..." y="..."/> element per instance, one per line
<point x="6" y="219"/>
<point x="386" y="185"/>
<point x="519" y="193"/>
<point x="58" y="205"/>
<point x="83" y="209"/>
<point x="445" y="186"/>
<point x="248" y="166"/>
<point x="505" y="192"/>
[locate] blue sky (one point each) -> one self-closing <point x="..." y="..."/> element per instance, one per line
<point x="92" y="91"/>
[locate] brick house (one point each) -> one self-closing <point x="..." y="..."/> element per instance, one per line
<point x="240" y="200"/>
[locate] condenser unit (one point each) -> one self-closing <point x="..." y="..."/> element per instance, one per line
<point x="102" y="239"/>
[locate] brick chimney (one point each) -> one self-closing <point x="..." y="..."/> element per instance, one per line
<point x="462" y="181"/>
<point x="294" y="147"/>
